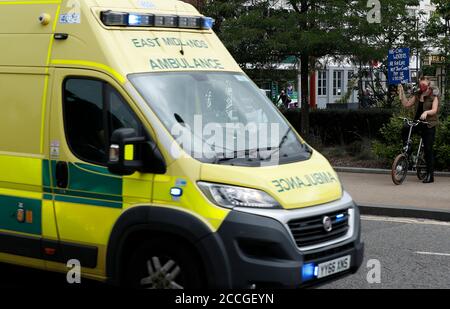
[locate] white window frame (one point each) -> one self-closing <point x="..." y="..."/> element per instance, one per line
<point x="338" y="82"/>
<point x="322" y="83"/>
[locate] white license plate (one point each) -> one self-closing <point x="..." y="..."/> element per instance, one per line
<point x="333" y="267"/>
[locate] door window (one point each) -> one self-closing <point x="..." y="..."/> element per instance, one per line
<point x="93" y="109"/>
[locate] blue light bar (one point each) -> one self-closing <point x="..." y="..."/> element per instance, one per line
<point x="134" y="20"/>
<point x="140" y="20"/>
<point x="308" y="272"/>
<point x="166" y="21"/>
<point x="125" y="19"/>
<point x="114" y="19"/>
<point x="208" y="23"/>
<point x="190" y="22"/>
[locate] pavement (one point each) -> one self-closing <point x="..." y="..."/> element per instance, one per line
<point x="377" y="195"/>
<point x="411" y="253"/>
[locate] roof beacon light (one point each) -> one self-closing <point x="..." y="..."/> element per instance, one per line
<point x="208" y="23"/>
<point x="166" y="21"/>
<point x="114" y="19"/>
<point x="124" y="19"/>
<point x="141" y="20"/>
<point x="190" y="22"/>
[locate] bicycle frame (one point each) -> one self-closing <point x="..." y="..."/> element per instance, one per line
<point x="405" y="161"/>
<point x="419" y="152"/>
<point x="411" y="125"/>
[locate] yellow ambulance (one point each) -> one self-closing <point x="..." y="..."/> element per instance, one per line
<point x="132" y="143"/>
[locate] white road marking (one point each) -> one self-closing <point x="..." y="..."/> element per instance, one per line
<point x="404" y="220"/>
<point x="432" y="253"/>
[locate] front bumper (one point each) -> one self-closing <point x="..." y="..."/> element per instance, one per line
<point x="262" y="252"/>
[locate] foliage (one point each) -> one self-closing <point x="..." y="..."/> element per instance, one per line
<point x="347" y="95"/>
<point x="342" y="127"/>
<point x="263" y="34"/>
<point x="442" y="148"/>
<point x="438" y="32"/>
<point x="390" y="144"/>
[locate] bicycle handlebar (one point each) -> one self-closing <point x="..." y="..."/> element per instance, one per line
<point x="413" y="122"/>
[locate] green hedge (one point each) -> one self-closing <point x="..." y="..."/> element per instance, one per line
<point x="342" y="127"/>
<point x="442" y="146"/>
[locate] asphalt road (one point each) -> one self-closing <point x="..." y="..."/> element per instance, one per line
<point x="411" y="253"/>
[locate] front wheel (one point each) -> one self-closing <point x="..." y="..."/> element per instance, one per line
<point x="400" y="169"/>
<point x="164" y="263"/>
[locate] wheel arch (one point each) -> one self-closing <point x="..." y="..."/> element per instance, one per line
<point x="153" y="221"/>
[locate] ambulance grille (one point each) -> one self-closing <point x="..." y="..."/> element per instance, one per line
<point x="311" y="231"/>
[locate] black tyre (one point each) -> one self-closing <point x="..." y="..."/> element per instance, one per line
<point x="164" y="263"/>
<point x="421" y="169"/>
<point x="400" y="169"/>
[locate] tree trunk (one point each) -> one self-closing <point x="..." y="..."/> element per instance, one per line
<point x="360" y="85"/>
<point x="304" y="73"/>
<point x="446" y="95"/>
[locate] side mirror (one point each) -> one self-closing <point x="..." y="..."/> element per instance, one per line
<point x="130" y="153"/>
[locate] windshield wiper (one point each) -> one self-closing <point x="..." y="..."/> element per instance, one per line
<point x="235" y="155"/>
<point x="244" y="155"/>
<point x="284" y="138"/>
<point x="282" y="142"/>
<point x="248" y="152"/>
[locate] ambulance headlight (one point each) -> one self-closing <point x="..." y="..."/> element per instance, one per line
<point x="231" y="196"/>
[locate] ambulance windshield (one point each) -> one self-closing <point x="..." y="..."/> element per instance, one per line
<point x="221" y="118"/>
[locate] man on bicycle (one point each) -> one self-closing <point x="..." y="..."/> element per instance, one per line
<point x="426" y="104"/>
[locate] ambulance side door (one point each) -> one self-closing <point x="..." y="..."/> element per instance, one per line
<point x="87" y="107"/>
<point x="25" y="216"/>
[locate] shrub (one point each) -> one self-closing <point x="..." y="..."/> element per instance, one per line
<point x="390" y="145"/>
<point x="354" y="148"/>
<point x="442" y="146"/>
<point x="342" y="127"/>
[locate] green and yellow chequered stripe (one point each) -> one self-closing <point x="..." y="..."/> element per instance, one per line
<point x="28" y="181"/>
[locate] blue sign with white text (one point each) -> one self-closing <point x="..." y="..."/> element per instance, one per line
<point x="398" y="66"/>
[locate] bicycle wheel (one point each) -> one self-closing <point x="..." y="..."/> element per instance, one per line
<point x="421" y="169"/>
<point x="400" y="169"/>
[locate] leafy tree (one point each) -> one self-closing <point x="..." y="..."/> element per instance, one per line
<point x="266" y="32"/>
<point x="263" y="32"/>
<point x="316" y="31"/>
<point x="438" y="32"/>
<point x="370" y="42"/>
<point x="222" y="10"/>
<point x="253" y="33"/>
